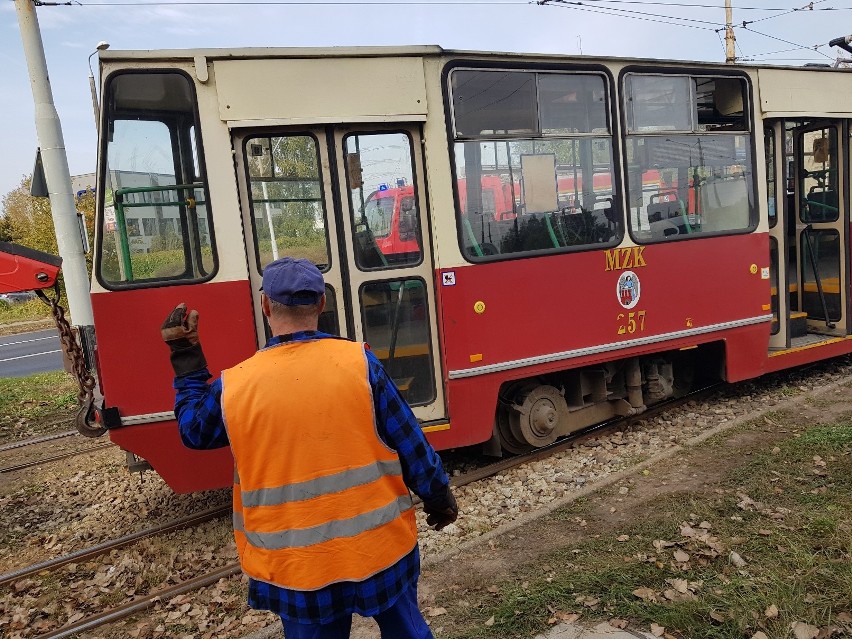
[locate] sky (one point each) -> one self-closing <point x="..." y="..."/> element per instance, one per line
<point x="778" y="32"/>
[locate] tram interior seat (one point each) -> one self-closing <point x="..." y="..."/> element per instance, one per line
<point x="659" y="211"/>
<point x="666" y="217"/>
<point x="477" y="231"/>
<point x="822" y="205"/>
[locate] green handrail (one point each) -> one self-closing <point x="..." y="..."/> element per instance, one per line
<point x="685" y="217"/>
<point x="550" y="231"/>
<point x="822" y="205"/>
<point x="120" y="218"/>
<point x="122" y="238"/>
<point x="472" y="237"/>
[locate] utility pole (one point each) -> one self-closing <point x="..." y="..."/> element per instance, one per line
<point x="730" y="38"/>
<point x="62" y="206"/>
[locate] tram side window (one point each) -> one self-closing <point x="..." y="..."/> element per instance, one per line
<point x="819" y="179"/>
<point x="533" y="162"/>
<point x="688" y="152"/>
<point x="395" y="317"/>
<point x="156" y="223"/>
<point x="288" y="211"/>
<point x="383" y="200"/>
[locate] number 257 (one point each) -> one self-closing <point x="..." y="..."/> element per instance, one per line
<point x="635" y="321"/>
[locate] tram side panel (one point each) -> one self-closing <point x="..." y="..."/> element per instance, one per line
<point x="524" y="318"/>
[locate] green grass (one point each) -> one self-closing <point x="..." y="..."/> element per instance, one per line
<point x="27" y="402"/>
<point x="24" y="312"/>
<point x="794" y="533"/>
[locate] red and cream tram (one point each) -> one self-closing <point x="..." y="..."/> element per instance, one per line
<point x="531" y="244"/>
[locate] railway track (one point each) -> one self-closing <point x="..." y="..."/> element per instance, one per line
<point x="37" y="440"/>
<point x="102" y="549"/>
<point x="53" y="458"/>
<point x="144" y="602"/>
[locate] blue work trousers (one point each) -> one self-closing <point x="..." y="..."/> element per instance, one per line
<point x="403" y="620"/>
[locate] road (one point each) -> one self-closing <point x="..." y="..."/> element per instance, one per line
<point x="28" y="353"/>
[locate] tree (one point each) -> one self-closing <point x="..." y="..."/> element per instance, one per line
<point x="27" y="220"/>
<point x="5" y="230"/>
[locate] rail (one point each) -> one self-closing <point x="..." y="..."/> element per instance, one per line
<point x="149" y="600"/>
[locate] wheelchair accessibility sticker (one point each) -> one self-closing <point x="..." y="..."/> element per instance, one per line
<point x="628" y="289"/>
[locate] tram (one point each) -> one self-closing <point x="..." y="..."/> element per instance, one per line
<point x="531" y="244"/>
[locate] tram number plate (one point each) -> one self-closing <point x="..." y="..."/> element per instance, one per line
<point x="632" y="322"/>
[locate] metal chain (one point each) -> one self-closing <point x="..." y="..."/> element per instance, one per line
<point x="85" y="381"/>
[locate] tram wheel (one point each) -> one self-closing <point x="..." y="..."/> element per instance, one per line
<point x="506" y="416"/>
<point x="532" y="419"/>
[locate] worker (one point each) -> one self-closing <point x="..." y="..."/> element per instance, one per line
<point x="325" y="451"/>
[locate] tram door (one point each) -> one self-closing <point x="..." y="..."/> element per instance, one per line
<point x="352" y="200"/>
<point x="822" y="225"/>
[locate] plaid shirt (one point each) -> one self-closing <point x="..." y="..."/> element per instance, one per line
<point x="199" y="414"/>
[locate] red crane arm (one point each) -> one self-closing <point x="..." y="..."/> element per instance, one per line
<point x="26" y="269"/>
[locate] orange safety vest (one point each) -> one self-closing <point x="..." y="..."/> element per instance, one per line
<point x="318" y="497"/>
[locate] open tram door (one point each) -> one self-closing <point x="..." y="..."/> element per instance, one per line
<point x="812" y="231"/>
<point x="352" y="200"/>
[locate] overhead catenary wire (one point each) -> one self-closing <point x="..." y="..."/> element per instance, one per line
<point x="584" y="5"/>
<point x="785" y="10"/>
<point x="145" y="3"/>
<point x="815" y="48"/>
<point x="807" y="7"/>
<point x="608" y="12"/>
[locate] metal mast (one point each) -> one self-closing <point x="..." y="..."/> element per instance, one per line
<point x="730" y="38"/>
<point x="52" y="144"/>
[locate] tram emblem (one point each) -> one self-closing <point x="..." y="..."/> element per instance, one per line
<point x="628" y="289"/>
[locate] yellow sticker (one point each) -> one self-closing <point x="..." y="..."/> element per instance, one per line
<point x="479" y="307"/>
<point x="753" y="269"/>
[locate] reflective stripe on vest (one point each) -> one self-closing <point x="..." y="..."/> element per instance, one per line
<point x="313" y="479"/>
<point x="299" y="538"/>
<point x="321" y="485"/>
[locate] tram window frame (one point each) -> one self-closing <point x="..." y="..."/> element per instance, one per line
<point x="773" y="203"/>
<point x="194" y="164"/>
<point x="614" y="212"/>
<point x="721" y="132"/>
<point x="323" y="196"/>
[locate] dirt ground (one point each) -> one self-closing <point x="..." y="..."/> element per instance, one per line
<point x="697" y="469"/>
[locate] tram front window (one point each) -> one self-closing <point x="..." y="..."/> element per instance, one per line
<point x="155" y="225"/>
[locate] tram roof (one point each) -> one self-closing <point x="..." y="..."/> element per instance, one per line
<point x="261" y="53"/>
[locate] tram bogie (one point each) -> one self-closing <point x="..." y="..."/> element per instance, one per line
<point x="534" y="412"/>
<point x="530" y="244"/>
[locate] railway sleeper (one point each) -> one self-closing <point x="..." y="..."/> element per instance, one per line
<point x="534" y="412"/>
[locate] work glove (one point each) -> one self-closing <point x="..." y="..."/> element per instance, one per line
<point x="441" y="512"/>
<point x="180" y="333"/>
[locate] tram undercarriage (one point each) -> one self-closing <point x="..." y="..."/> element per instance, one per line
<point x="534" y="412"/>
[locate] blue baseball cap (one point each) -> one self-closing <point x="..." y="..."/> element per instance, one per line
<point x="293" y="282"/>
